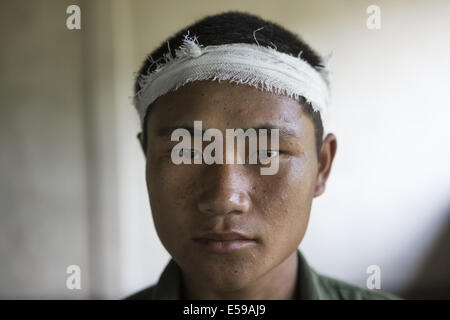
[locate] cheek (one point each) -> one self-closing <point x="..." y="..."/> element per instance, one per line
<point x="170" y="190"/>
<point x="169" y="185"/>
<point x="286" y="199"/>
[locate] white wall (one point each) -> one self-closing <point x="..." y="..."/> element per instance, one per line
<point x="43" y="204"/>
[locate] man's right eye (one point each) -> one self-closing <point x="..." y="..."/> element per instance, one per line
<point x="189" y="153"/>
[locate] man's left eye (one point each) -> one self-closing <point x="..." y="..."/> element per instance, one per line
<point x="268" y="154"/>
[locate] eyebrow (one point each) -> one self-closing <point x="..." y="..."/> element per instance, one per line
<point x="283" y="131"/>
<point x="167" y="131"/>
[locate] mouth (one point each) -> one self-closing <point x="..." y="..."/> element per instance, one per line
<point x="224" y="242"/>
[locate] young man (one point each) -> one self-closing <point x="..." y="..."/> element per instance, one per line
<point x="232" y="231"/>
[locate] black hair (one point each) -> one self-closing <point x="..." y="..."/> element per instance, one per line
<point x="238" y="27"/>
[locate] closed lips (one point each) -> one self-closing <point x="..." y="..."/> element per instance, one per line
<point x="223" y="237"/>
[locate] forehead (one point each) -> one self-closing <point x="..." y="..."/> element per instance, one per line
<point x="228" y="105"/>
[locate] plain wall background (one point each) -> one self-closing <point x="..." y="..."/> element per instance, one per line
<point x="72" y="172"/>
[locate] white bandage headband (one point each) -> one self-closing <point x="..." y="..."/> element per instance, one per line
<point x="264" y="68"/>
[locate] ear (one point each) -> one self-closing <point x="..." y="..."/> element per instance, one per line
<point x="141" y="142"/>
<point x="326" y="157"/>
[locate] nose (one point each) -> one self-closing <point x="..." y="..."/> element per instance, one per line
<point x="225" y="190"/>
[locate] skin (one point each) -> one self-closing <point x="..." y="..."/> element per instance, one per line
<point x="188" y="200"/>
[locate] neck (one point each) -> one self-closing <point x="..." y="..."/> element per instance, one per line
<point x="277" y="284"/>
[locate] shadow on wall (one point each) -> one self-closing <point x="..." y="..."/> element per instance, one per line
<point x="433" y="279"/>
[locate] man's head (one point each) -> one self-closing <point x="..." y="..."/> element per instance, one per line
<point x="237" y="27"/>
<point x="191" y="204"/>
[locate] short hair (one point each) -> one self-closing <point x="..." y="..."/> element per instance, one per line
<point x="238" y="27"/>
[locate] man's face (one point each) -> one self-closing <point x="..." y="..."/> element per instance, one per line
<point x="189" y="201"/>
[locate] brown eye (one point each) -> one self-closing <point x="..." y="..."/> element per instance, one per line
<point x="265" y="155"/>
<point x="189" y="153"/>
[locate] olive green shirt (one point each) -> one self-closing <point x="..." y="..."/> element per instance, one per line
<point x="310" y="286"/>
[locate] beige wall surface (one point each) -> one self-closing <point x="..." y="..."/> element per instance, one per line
<point x="72" y="174"/>
<point x="44" y="221"/>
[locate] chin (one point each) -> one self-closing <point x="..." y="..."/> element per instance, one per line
<point x="229" y="282"/>
<point x="224" y="272"/>
<point x="227" y="277"/>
